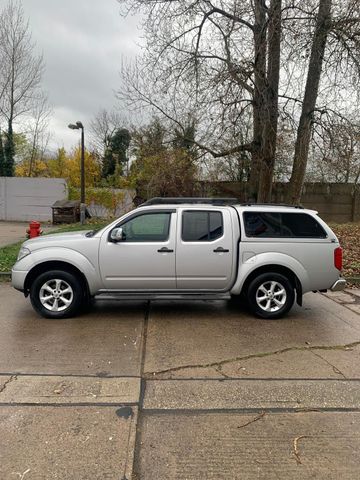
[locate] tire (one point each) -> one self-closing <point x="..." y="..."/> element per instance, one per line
<point x="57" y="294"/>
<point x="270" y="295"/>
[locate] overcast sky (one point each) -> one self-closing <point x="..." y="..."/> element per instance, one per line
<point x="83" y="43"/>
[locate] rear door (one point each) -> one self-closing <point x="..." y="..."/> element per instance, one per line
<point x="204" y="252"/>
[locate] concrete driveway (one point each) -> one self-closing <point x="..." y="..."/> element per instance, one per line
<point x="180" y="391"/>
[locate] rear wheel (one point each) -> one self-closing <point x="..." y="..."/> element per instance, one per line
<point x="57" y="294"/>
<point x="270" y="295"/>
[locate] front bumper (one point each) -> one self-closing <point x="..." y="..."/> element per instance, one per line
<point x="18" y="279"/>
<point x="339" y="285"/>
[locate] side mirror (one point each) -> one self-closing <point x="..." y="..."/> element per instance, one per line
<point x="117" y="234"/>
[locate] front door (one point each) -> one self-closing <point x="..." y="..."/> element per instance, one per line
<point x="205" y="251"/>
<point x="145" y="258"/>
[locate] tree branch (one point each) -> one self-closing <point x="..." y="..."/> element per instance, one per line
<point x="230" y="16"/>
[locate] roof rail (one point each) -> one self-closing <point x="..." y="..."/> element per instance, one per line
<point x="191" y="200"/>
<point x="271" y="205"/>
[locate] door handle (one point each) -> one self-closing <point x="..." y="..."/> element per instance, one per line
<point x="165" y="250"/>
<point x="221" y="250"/>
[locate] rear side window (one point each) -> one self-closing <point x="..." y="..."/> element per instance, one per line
<point x="285" y="225"/>
<point x="201" y="226"/>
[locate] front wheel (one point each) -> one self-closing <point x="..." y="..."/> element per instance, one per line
<point x="57" y="294"/>
<point x="270" y="295"/>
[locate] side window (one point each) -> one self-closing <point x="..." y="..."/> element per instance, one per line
<point x="201" y="226"/>
<point x="150" y="227"/>
<point x="301" y="225"/>
<point x="262" y="224"/>
<point x="285" y="225"/>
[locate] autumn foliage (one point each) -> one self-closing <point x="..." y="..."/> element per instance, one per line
<point x="65" y="166"/>
<point x="349" y="237"/>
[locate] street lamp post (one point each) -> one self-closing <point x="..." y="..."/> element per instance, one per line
<point x="80" y="126"/>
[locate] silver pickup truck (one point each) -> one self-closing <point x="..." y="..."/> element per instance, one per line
<point x="268" y="255"/>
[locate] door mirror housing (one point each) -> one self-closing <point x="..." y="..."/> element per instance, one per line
<point x="117" y="235"/>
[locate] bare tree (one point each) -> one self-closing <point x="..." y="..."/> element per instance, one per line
<point x="323" y="25"/>
<point x="292" y="59"/>
<point x="103" y="127"/>
<point x="336" y="151"/>
<point x="20" y="74"/>
<point x="38" y="131"/>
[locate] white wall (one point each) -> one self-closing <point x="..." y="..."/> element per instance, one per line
<point x="25" y="199"/>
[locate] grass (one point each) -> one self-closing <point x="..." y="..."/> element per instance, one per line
<point x="8" y="254"/>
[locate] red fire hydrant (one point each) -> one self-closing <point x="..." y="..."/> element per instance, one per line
<point x="34" y="229"/>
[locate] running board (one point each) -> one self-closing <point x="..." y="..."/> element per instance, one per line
<point x="162" y="296"/>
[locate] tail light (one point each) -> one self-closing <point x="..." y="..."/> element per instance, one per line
<point x="338" y="258"/>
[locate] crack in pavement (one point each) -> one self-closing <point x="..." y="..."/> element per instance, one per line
<point x="4" y="385"/>
<point x="218" y="369"/>
<point x="335" y="369"/>
<point x="218" y="365"/>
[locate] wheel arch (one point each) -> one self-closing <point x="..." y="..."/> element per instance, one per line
<point x="54" y="265"/>
<point x="275" y="268"/>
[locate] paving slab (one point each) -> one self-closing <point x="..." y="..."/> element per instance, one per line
<point x="194" y="340"/>
<point x="342" y="297"/>
<point x="105" y="341"/>
<point x="354" y="308"/>
<point x="87" y="443"/>
<point x="251" y="394"/>
<point x="303" y="363"/>
<point x="68" y="390"/>
<point x="345" y="362"/>
<point x="349" y="298"/>
<point x="234" y="446"/>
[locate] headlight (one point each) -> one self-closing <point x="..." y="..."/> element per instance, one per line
<point x="23" y="252"/>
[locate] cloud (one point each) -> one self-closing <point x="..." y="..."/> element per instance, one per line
<point x="83" y="43"/>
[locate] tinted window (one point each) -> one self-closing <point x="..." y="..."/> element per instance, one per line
<point x="200" y="226"/>
<point x="152" y="227"/>
<point x="258" y="224"/>
<point x="301" y="225"/>
<point x="286" y="225"/>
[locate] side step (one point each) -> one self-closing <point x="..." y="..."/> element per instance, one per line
<point x="106" y="296"/>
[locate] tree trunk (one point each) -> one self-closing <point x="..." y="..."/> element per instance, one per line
<point x="260" y="44"/>
<point x="33" y="153"/>
<point x="271" y="105"/>
<point x="2" y="156"/>
<point x="267" y="37"/>
<point x="309" y="103"/>
<point x="9" y="150"/>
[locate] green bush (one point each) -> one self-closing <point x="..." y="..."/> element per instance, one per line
<point x="108" y="198"/>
